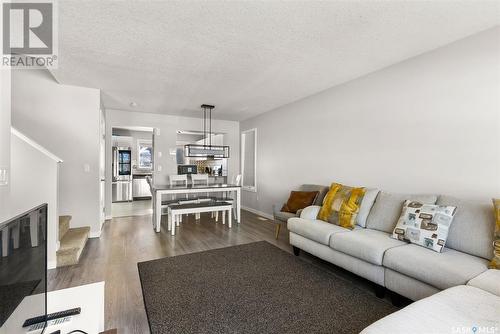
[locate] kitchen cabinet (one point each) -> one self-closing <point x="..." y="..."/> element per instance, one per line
<point x="140" y="187"/>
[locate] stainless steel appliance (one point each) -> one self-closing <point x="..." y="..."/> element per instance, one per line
<point x="122" y="174"/>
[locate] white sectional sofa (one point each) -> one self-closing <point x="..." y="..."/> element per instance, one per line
<point x="407" y="269"/>
<point x="472" y="308"/>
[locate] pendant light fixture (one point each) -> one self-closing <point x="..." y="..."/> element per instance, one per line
<point x="207" y="149"/>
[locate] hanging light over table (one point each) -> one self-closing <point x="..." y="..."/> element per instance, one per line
<point x="207" y="149"/>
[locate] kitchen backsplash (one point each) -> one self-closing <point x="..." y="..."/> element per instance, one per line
<point x="211" y="164"/>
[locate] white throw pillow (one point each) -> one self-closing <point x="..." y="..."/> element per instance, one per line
<point x="424" y="224"/>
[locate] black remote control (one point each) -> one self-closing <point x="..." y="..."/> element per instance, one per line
<point x="52" y="316"/>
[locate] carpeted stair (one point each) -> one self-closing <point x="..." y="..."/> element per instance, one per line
<point x="72" y="242"/>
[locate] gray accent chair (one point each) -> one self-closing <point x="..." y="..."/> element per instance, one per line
<point x="282" y="217"/>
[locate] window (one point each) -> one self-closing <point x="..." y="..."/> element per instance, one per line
<point x="145" y="154"/>
<point x="249" y="160"/>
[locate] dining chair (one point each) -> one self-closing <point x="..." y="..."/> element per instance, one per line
<point x="174" y="180"/>
<point x="200" y="180"/>
<point x="180" y="181"/>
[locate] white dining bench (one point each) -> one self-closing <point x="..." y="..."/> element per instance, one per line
<point x="175" y="212"/>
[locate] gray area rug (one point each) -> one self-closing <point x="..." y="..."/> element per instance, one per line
<point x="252" y="288"/>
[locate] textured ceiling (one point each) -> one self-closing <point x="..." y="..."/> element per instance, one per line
<point x="246" y="57"/>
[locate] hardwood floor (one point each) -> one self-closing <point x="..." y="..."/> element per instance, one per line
<point x="127" y="240"/>
<point x="134" y="208"/>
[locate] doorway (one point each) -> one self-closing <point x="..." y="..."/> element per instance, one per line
<point x="132" y="167"/>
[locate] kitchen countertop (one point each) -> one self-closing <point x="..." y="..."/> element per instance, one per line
<point x="142" y="174"/>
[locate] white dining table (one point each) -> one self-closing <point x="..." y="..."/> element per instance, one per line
<point x="166" y="189"/>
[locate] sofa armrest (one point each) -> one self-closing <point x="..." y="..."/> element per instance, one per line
<point x="277" y="207"/>
<point x="311" y="212"/>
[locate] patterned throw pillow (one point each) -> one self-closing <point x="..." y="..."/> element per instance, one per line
<point x="341" y="205"/>
<point x="495" y="262"/>
<point x="424" y="224"/>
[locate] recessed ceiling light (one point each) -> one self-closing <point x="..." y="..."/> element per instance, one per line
<point x="133" y="104"/>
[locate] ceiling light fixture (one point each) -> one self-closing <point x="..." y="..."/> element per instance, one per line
<point x="207" y="149"/>
<point x="133" y="104"/>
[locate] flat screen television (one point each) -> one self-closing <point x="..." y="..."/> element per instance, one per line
<point x="23" y="270"/>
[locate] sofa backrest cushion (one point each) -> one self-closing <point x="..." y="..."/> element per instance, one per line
<point x="366" y="206"/>
<point x="387" y="208"/>
<point x="472" y="228"/>
<point x="315" y="187"/>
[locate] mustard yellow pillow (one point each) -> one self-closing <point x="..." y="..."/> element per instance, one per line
<point x="495" y="262"/>
<point x="341" y="205"/>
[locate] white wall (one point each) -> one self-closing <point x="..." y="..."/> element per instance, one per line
<point x="65" y="120"/>
<point x="34" y="181"/>
<point x="430" y="124"/>
<point x="33" y="176"/>
<point x="5" y="91"/>
<point x="168" y="126"/>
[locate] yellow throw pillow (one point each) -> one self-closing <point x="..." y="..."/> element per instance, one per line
<point x="341" y="205"/>
<point x="495" y="262"/>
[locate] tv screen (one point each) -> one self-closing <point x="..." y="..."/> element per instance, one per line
<point x="23" y="270"/>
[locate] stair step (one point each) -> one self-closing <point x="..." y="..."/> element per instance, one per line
<point x="63" y="225"/>
<point x="72" y="245"/>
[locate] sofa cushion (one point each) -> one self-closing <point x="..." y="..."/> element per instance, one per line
<point x="472" y="228"/>
<point x="487" y="281"/>
<point x="423" y="224"/>
<point x="441" y="270"/>
<point x="322" y="190"/>
<point x="366" y="206"/>
<point x="453" y="310"/>
<point x="365" y="244"/>
<point x="387" y="208"/>
<point x="316" y="230"/>
<point x="283" y="216"/>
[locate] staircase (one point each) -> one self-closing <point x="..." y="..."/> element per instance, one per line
<point x="72" y="242"/>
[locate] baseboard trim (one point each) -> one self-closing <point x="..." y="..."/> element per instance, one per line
<point x="108" y="218"/>
<point x="51" y="264"/>
<point x="257" y="212"/>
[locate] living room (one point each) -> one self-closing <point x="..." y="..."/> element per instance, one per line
<point x="314" y="167"/>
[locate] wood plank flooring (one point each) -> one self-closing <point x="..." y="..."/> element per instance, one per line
<point x="127" y="240"/>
